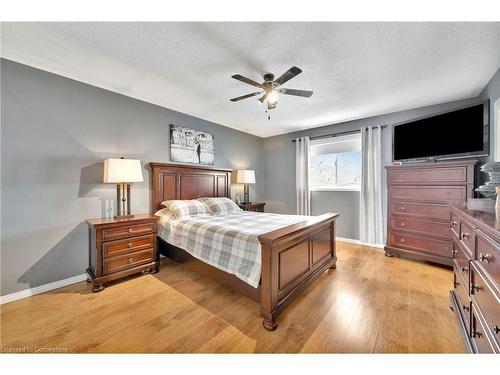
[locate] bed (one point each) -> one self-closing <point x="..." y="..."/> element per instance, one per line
<point x="293" y="250"/>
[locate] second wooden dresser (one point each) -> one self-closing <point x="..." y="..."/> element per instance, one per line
<point x="475" y="297"/>
<point x="417" y="212"/>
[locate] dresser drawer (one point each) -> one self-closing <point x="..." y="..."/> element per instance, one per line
<point x="461" y="261"/>
<point x="481" y="339"/>
<point x="127" y="231"/>
<point x="439" y="229"/>
<point x="488" y="256"/>
<point x="425" y="244"/>
<point x="467" y="238"/>
<point x="464" y="302"/>
<point x="442" y="194"/>
<point x="429" y="175"/>
<point x="487" y="296"/>
<point x="126" y="246"/>
<point x="433" y="211"/>
<point x="114" y="264"/>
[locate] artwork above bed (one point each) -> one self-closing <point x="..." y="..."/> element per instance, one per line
<point x="191" y="146"/>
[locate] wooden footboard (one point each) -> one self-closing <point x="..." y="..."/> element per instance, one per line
<point x="293" y="257"/>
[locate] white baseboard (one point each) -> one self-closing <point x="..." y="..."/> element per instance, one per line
<point x="41" y="289"/>
<point x="358" y="242"/>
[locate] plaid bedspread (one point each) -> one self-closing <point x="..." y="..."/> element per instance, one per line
<point x="228" y="242"/>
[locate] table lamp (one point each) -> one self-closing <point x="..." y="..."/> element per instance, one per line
<point x="122" y="172"/>
<point x="245" y="176"/>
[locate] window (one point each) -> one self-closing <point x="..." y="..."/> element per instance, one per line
<point x="335" y="163"/>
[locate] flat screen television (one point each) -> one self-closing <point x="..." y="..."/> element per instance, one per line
<point x="456" y="134"/>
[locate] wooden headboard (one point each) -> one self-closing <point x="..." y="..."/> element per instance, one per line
<point x="177" y="181"/>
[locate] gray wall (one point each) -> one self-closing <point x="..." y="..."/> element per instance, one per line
<point x="55" y="134"/>
<point x="492" y="92"/>
<point x="279" y="162"/>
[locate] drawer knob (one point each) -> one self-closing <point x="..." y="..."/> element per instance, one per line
<point x="403" y="208"/>
<point x="129" y="244"/>
<point x="464" y="269"/>
<point x="453" y="224"/>
<point x="130" y="260"/>
<point x="465" y="308"/>
<point x="474" y="288"/>
<point x="496" y="329"/>
<point x="402" y="240"/>
<point x="130" y="230"/>
<point x="403" y="224"/>
<point x="485" y="257"/>
<point x="465" y="236"/>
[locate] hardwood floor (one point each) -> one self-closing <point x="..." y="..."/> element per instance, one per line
<point x="371" y="303"/>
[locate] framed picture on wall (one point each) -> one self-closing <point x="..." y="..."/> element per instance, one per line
<point x="191" y="146"/>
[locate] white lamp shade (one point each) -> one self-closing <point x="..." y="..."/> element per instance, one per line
<point x="122" y="170"/>
<point x="245" y="176"/>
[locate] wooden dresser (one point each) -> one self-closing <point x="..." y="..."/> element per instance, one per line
<point x="418" y="216"/>
<point x="475" y="297"/>
<point x="121" y="247"/>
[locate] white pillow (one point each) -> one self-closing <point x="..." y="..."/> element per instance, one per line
<point x="221" y="205"/>
<point x="185" y="208"/>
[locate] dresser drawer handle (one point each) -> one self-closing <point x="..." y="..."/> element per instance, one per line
<point x="453" y="224"/>
<point x="130" y="260"/>
<point x="403" y="208"/>
<point x="465" y="236"/>
<point x="402" y="240"/>
<point x="496" y="329"/>
<point x="130" y="230"/>
<point x="129" y="244"/>
<point x="485" y="257"/>
<point x="474" y="288"/>
<point x="403" y="224"/>
<point x="465" y="308"/>
<point x="464" y="269"/>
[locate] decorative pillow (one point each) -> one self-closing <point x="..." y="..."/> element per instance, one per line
<point x="220" y="205"/>
<point x="179" y="208"/>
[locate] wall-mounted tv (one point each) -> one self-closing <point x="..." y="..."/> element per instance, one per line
<point x="456" y="134"/>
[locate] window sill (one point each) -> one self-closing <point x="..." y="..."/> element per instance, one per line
<point x="330" y="188"/>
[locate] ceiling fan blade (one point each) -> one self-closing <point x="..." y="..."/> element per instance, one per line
<point x="239" y="77"/>
<point x="264" y="97"/>
<point x="303" y="93"/>
<point x="237" y="99"/>
<point x="288" y="75"/>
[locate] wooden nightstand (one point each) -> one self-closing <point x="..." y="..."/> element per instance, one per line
<point x="255" y="206"/>
<point x="121" y="247"/>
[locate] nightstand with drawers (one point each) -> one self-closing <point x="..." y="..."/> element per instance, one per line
<point x="255" y="206"/>
<point x="121" y="247"/>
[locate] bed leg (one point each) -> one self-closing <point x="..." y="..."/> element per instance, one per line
<point x="270" y="325"/>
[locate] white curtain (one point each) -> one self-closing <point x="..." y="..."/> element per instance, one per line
<point x="302" y="146"/>
<point x="371" y="218"/>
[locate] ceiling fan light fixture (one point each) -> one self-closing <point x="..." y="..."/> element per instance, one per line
<point x="272" y="98"/>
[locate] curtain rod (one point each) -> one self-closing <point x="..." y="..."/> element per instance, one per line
<point x="333" y="135"/>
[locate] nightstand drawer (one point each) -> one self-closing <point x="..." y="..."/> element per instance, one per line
<point x="128" y="261"/>
<point x="126" y="246"/>
<point x="127" y="231"/>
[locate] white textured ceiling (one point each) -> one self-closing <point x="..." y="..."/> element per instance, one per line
<point x="355" y="69"/>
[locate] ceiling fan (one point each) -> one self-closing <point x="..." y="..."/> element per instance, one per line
<point x="272" y="87"/>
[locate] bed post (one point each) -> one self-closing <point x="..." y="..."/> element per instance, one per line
<point x="269" y="287"/>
